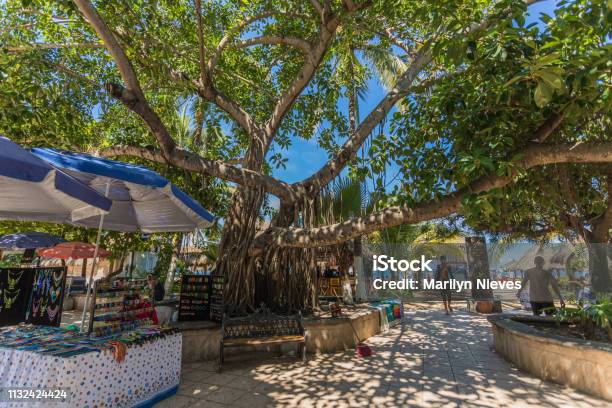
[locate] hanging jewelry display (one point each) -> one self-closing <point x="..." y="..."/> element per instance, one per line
<point x="16" y="287"/>
<point x="47" y="297"/>
<point x="52" y="312"/>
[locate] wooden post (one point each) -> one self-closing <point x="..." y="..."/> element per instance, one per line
<point x="92" y="307"/>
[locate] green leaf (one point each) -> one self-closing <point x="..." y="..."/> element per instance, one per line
<point x="547" y="59"/>
<point x="552" y="79"/>
<point x="542" y="95"/>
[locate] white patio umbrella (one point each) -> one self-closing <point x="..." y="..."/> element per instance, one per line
<point x="142" y="200"/>
<point x="33" y="190"/>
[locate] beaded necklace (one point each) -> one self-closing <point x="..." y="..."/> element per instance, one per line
<point x="8" y="301"/>
<point x="52" y="312"/>
<point x="12" y="282"/>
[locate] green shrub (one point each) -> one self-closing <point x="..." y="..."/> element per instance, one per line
<point x="588" y="317"/>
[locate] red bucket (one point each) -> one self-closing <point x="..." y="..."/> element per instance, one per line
<point x="363" y="350"/>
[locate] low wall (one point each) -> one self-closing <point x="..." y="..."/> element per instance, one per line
<point x="580" y="364"/>
<point x="326" y="335"/>
<point x="323" y="335"/>
<point x="79" y="301"/>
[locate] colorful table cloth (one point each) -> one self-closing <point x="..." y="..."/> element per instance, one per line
<point x="149" y="373"/>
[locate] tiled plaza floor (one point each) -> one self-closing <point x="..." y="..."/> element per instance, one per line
<point x="431" y="360"/>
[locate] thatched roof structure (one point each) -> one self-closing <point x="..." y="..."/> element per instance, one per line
<point x="555" y="256"/>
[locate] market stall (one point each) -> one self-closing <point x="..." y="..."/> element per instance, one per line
<point x="124" y="359"/>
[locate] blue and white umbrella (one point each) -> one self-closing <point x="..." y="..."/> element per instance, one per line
<point x="142" y="199"/>
<point x="29" y="240"/>
<point x="33" y="190"/>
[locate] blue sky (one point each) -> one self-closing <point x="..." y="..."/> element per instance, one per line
<point x="305" y="157"/>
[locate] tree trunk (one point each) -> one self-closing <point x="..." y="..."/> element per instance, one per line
<point x="478" y="264"/>
<point x="176" y="247"/>
<point x="599" y="268"/>
<point x="234" y="261"/>
<point x="283" y="278"/>
<point x="598" y="243"/>
<point x="289" y="274"/>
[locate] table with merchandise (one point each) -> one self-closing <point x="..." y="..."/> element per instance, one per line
<point x="123" y="361"/>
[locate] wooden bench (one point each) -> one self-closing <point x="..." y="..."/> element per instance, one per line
<point x="262" y="328"/>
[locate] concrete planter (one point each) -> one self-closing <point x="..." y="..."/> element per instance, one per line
<point x="580" y="364"/>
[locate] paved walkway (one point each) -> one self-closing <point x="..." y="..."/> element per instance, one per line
<point x="430" y="361"/>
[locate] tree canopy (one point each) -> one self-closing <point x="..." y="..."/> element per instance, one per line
<point x="479" y="109"/>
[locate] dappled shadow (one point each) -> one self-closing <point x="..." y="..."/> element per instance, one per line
<point x="429" y="360"/>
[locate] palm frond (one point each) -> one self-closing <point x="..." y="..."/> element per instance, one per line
<point x="388" y="66"/>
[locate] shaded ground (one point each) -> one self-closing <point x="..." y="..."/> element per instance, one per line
<point x="430" y="360"/>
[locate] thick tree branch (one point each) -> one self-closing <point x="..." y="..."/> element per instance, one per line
<point x="112" y="45"/>
<point x="192" y="162"/>
<point x="203" y="69"/>
<point x="133" y="97"/>
<point x="547" y="128"/>
<point x="533" y="156"/>
<point x="302" y="79"/>
<point x="395" y="40"/>
<point x="317" y="6"/>
<point x="210" y="93"/>
<point x="329" y="24"/>
<point x="224" y="102"/>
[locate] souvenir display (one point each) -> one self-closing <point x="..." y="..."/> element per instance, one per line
<point x="120" y="305"/>
<point x="391" y="313"/>
<point x="47" y="297"/>
<point x="216" y="298"/>
<point x="15" y="289"/>
<point x="195" y="298"/>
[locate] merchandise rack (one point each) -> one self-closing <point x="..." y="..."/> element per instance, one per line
<point x="118" y="310"/>
<point x="194" y="301"/>
<point x="216" y="298"/>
